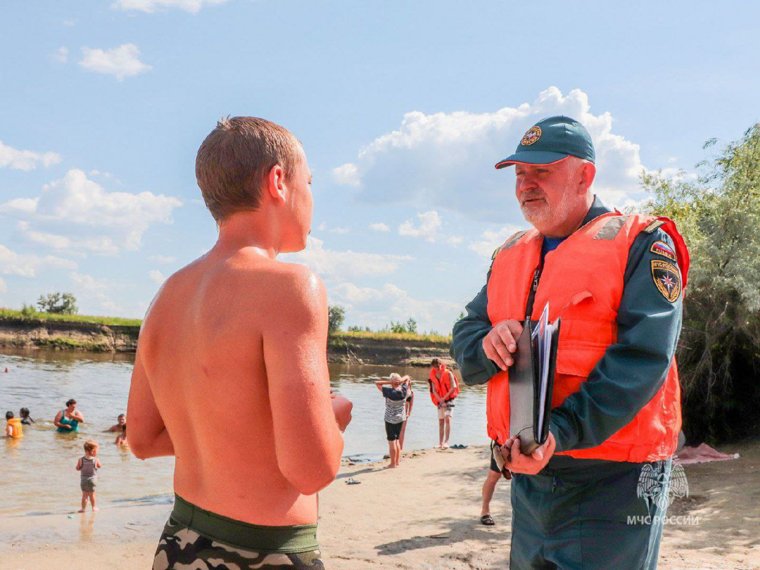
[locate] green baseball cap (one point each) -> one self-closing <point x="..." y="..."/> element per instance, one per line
<point x="550" y="140"/>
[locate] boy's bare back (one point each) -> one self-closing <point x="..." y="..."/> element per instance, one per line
<point x="231" y="373"/>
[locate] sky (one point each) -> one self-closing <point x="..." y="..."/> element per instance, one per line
<point x="403" y="108"/>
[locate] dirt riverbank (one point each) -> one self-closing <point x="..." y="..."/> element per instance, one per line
<point x="31" y="334"/>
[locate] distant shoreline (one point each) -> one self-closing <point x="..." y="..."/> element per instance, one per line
<point x="84" y="336"/>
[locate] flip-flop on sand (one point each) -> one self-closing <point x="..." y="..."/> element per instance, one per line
<point x="487" y="520"/>
<point x="352" y="481"/>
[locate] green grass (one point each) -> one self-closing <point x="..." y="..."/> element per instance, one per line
<point x="373" y="335"/>
<point x="52" y="317"/>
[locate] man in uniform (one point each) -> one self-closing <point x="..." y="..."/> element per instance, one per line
<point x="231" y="374"/>
<point x="616" y="282"/>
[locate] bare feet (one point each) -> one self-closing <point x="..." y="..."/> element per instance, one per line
<point x="80" y="511"/>
<point x="95" y="509"/>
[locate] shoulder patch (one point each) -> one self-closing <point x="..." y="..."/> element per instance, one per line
<point x="663" y="249"/>
<point x="653" y="226"/>
<point x="667" y="279"/>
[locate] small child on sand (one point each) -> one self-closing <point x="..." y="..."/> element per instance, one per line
<point x="88" y="466"/>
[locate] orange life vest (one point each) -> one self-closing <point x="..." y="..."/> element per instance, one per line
<point x="442" y="385"/>
<point x="583" y="279"/>
<point x="17" y="429"/>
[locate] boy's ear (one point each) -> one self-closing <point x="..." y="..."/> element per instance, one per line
<point x="275" y="183"/>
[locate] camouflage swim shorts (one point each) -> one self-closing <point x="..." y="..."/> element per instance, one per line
<point x="181" y="548"/>
<point x="195" y="539"/>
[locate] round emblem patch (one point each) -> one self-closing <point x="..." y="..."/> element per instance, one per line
<point x="530" y="137"/>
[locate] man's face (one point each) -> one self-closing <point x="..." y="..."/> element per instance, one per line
<point x="549" y="196"/>
<point x="301" y="204"/>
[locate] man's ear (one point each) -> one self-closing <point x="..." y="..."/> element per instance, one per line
<point x="275" y="183"/>
<point x="588" y="173"/>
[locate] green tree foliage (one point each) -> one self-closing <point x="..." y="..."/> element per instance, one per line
<point x="60" y="303"/>
<point x="719" y="350"/>
<point x="410" y="326"/>
<point x="336" y="315"/>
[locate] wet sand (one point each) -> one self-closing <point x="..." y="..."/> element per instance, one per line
<point x="423" y="515"/>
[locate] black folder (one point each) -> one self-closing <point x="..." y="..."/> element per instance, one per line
<point x="531" y="382"/>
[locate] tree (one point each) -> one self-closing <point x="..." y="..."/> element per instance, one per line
<point x="60" y="303"/>
<point x="718" y="353"/>
<point x="335" y="317"/>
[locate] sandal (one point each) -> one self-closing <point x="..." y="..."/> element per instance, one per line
<point x="487" y="520"/>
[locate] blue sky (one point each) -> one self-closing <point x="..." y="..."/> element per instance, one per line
<point x="402" y="107"/>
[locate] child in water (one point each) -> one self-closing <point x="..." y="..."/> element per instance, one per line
<point x="26" y="419"/>
<point x="13" y="427"/>
<point x="121" y="439"/>
<point x="88" y="466"/>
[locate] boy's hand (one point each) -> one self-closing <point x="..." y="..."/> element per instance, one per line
<point x="342" y="409"/>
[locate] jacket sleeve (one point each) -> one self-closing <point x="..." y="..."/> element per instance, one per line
<point x="467" y="341"/>
<point x="634" y="368"/>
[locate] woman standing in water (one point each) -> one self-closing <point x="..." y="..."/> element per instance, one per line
<point x="68" y="419"/>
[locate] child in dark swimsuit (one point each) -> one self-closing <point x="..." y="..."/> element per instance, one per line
<point x="88" y="466"/>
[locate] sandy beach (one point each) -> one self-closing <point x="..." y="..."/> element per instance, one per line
<point x="423" y="515"/>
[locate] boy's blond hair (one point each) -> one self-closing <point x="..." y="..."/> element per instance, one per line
<point x="89" y="445"/>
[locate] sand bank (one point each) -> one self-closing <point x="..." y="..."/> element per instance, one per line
<point x="423" y="515"/>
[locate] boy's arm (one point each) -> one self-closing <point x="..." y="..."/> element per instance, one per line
<point x="79" y="464"/>
<point x="453" y="382"/>
<point x="308" y="441"/>
<point x="147" y="433"/>
<point x="98" y="464"/>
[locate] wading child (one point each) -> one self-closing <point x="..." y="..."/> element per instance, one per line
<point x="26" y="419"/>
<point x="395" y="411"/>
<point x="88" y="466"/>
<point x="13" y="427"/>
<point x="121" y="439"/>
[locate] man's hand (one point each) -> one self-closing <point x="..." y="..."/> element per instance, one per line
<point x="342" y="409"/>
<point x="501" y="342"/>
<point x="517" y="462"/>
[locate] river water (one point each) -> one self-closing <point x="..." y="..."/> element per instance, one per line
<point x="38" y="474"/>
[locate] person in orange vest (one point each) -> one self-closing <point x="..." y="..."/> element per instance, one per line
<point x="443" y="390"/>
<point x="584" y="499"/>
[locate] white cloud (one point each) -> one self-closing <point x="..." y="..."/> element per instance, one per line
<point x="3" y="286"/>
<point x="491" y="239"/>
<point x="379" y="227"/>
<point x="376" y="307"/>
<point x="89" y="289"/>
<point x="446" y="160"/>
<point x="162" y="259"/>
<point x="61" y="55"/>
<point x="27" y="265"/>
<point x="77" y="213"/>
<point x="156" y="276"/>
<point x="430" y="229"/>
<point x="25" y="159"/>
<point x="149" y="6"/>
<point x="347" y="175"/>
<point x="331" y="264"/>
<point x="123" y="61"/>
<point x="430" y="224"/>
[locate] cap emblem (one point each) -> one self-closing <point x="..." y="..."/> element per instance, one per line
<point x="531" y="136"/>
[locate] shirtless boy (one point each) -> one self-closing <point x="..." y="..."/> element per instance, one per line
<point x="239" y="335"/>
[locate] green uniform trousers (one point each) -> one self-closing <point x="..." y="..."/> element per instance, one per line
<point x="598" y="516"/>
